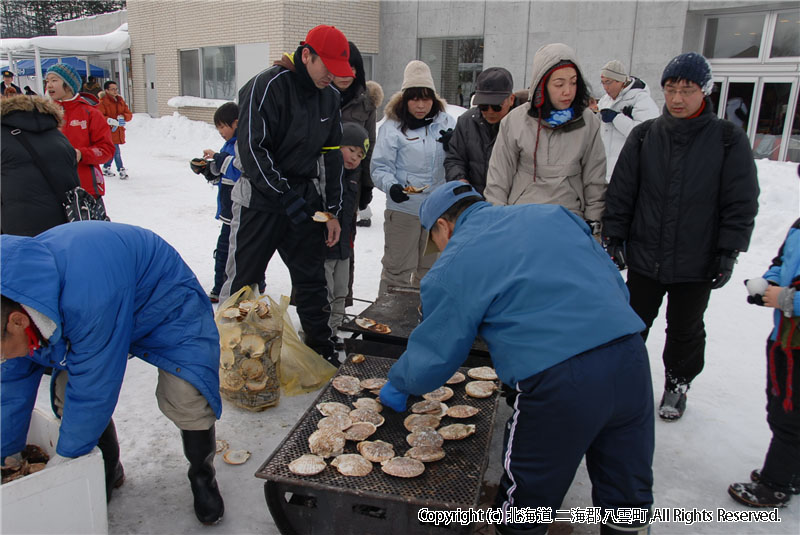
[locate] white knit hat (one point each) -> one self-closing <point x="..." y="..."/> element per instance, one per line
<point x="615" y="70"/>
<point x="417" y="74"/>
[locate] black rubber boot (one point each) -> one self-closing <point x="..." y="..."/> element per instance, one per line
<point x="199" y="448"/>
<point x="109" y="446"/>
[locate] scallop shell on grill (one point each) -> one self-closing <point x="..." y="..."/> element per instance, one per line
<point x="457" y="431"/>
<point x="338" y="420"/>
<point x="480" y="389"/>
<point x="426" y="454"/>
<point x="443" y="393"/>
<point x="380" y="328"/>
<point x="457" y="377"/>
<point x="368" y="403"/>
<point x="367" y="415"/>
<point x="403" y="467"/>
<point x="352" y="464"/>
<point x="365" y="323"/>
<point x="483" y="373"/>
<point x="358" y="358"/>
<point x="373" y="383"/>
<point x="307" y="465"/>
<point x="428" y="406"/>
<point x="425" y="436"/>
<point x="376" y="451"/>
<point x="326" y="442"/>
<point x="462" y="411"/>
<point x="413" y="421"/>
<point x="332" y="407"/>
<point x="360" y="431"/>
<point x="347" y="384"/>
<point x="236" y="456"/>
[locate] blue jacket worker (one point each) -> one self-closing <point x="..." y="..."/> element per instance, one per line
<point x="79" y="298"/>
<point x="555" y="315"/>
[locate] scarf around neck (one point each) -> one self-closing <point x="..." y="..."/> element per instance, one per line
<point x="559" y="117"/>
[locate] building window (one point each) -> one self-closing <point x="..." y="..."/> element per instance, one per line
<point x="455" y="64"/>
<point x="734" y="37"/>
<point x="209" y="72"/>
<point x="785" y="41"/>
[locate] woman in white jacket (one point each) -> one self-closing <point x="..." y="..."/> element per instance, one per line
<point x="627" y="102"/>
<point x="409" y="153"/>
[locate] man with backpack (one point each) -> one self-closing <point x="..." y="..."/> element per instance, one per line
<point x="680" y="207"/>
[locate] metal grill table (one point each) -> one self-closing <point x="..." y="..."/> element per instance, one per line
<point x="377" y="503"/>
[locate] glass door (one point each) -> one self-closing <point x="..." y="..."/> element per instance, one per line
<point x="775" y="109"/>
<point x="738" y="105"/>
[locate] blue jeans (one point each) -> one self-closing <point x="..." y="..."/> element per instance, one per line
<point x="117" y="159"/>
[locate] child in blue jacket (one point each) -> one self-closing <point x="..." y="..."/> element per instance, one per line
<point x="779" y="478"/>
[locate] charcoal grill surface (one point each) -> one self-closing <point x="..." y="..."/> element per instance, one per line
<point x="452" y="482"/>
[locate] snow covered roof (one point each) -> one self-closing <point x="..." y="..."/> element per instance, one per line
<point x="67" y="45"/>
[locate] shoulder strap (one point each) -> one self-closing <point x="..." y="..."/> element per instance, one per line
<point x="37" y="161"/>
<point x="727" y="135"/>
<point x="644" y="128"/>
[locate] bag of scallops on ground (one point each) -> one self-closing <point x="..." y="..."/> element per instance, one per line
<point x="250" y="338"/>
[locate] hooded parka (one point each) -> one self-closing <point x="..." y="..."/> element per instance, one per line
<point x="30" y="204"/>
<point x="636" y="96"/>
<point x="570" y="162"/>
<point x="101" y="291"/>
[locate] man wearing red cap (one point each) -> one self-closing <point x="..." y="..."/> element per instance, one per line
<point x="288" y="118"/>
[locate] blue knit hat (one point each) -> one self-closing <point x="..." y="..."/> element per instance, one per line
<point x="692" y="67"/>
<point x="68" y="74"/>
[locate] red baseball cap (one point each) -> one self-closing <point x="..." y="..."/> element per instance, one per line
<point x="332" y="47"/>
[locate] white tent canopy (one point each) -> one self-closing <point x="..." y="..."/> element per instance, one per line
<point x="108" y="46"/>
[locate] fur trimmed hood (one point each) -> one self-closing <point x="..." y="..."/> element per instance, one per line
<point x="389" y="109"/>
<point x="27" y="103"/>
<point x="375" y="93"/>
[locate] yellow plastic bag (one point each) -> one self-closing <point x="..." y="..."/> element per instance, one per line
<point x="303" y="370"/>
<point x="250" y="336"/>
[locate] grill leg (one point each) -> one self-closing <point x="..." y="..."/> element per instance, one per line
<point x="273" y="496"/>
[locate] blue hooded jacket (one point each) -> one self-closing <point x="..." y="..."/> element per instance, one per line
<point x="101" y="290"/>
<point x="785" y="270"/>
<point x="530" y="280"/>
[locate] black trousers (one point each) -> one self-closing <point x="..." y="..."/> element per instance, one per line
<point x="684" y="350"/>
<point x="254" y="237"/>
<point x="221" y="257"/>
<point x="782" y="464"/>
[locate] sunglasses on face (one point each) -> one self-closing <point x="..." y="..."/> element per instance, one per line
<point x="485" y="107"/>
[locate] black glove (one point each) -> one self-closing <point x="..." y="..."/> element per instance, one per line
<point x="722" y="273"/>
<point x="615" y="247"/>
<point x="596" y="226"/>
<point x="628" y="110"/>
<point x="296" y="207"/>
<point x="365" y="198"/>
<point x="397" y="194"/>
<point x="445" y="139"/>
<point x="608" y="115"/>
<point x="200" y="166"/>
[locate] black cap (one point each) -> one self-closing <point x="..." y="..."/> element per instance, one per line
<point x="8" y="73"/>
<point x="493" y="86"/>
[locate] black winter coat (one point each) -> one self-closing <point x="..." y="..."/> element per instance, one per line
<point x="29" y="204"/>
<point x="470" y="148"/>
<point x="347" y="217"/>
<point x="678" y="196"/>
<point x="285" y="122"/>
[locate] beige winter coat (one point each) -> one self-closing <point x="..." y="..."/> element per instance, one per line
<point x="570" y="160"/>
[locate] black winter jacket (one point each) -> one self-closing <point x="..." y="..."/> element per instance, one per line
<point x="347" y="217"/>
<point x="678" y="196"/>
<point x="29" y="204"/>
<point x="285" y="122"/>
<point x="470" y="148"/>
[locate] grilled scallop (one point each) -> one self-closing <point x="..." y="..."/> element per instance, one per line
<point x="360" y="431"/>
<point x="480" y="389"/>
<point x="307" y="465"/>
<point x="331" y="407"/>
<point x="376" y="451"/>
<point x="337" y="420"/>
<point x="426" y="454"/>
<point x="373" y="383"/>
<point x="367" y="415"/>
<point x="462" y="411"/>
<point x="352" y="464"/>
<point x="347" y="384"/>
<point x="483" y="373"/>
<point x="428" y="406"/>
<point x="369" y="404"/>
<point x="403" y="467"/>
<point x="425" y="436"/>
<point x="456" y="431"/>
<point x="326" y="442"/>
<point x="443" y="393"/>
<point x="457" y="377"/>
<point x="421" y="420"/>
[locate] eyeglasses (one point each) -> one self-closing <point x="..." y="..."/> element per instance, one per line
<point x="671" y="92"/>
<point x="485" y="107"/>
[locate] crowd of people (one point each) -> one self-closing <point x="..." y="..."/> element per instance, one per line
<point x="533" y="199"/>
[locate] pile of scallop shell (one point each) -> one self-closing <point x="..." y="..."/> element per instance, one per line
<point x="33" y="459"/>
<point x="358" y="423"/>
<point x="250" y="348"/>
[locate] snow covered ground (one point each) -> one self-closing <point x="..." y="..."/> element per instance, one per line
<point x="721" y="438"/>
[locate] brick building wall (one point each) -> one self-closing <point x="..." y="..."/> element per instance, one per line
<point x="163" y="28"/>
